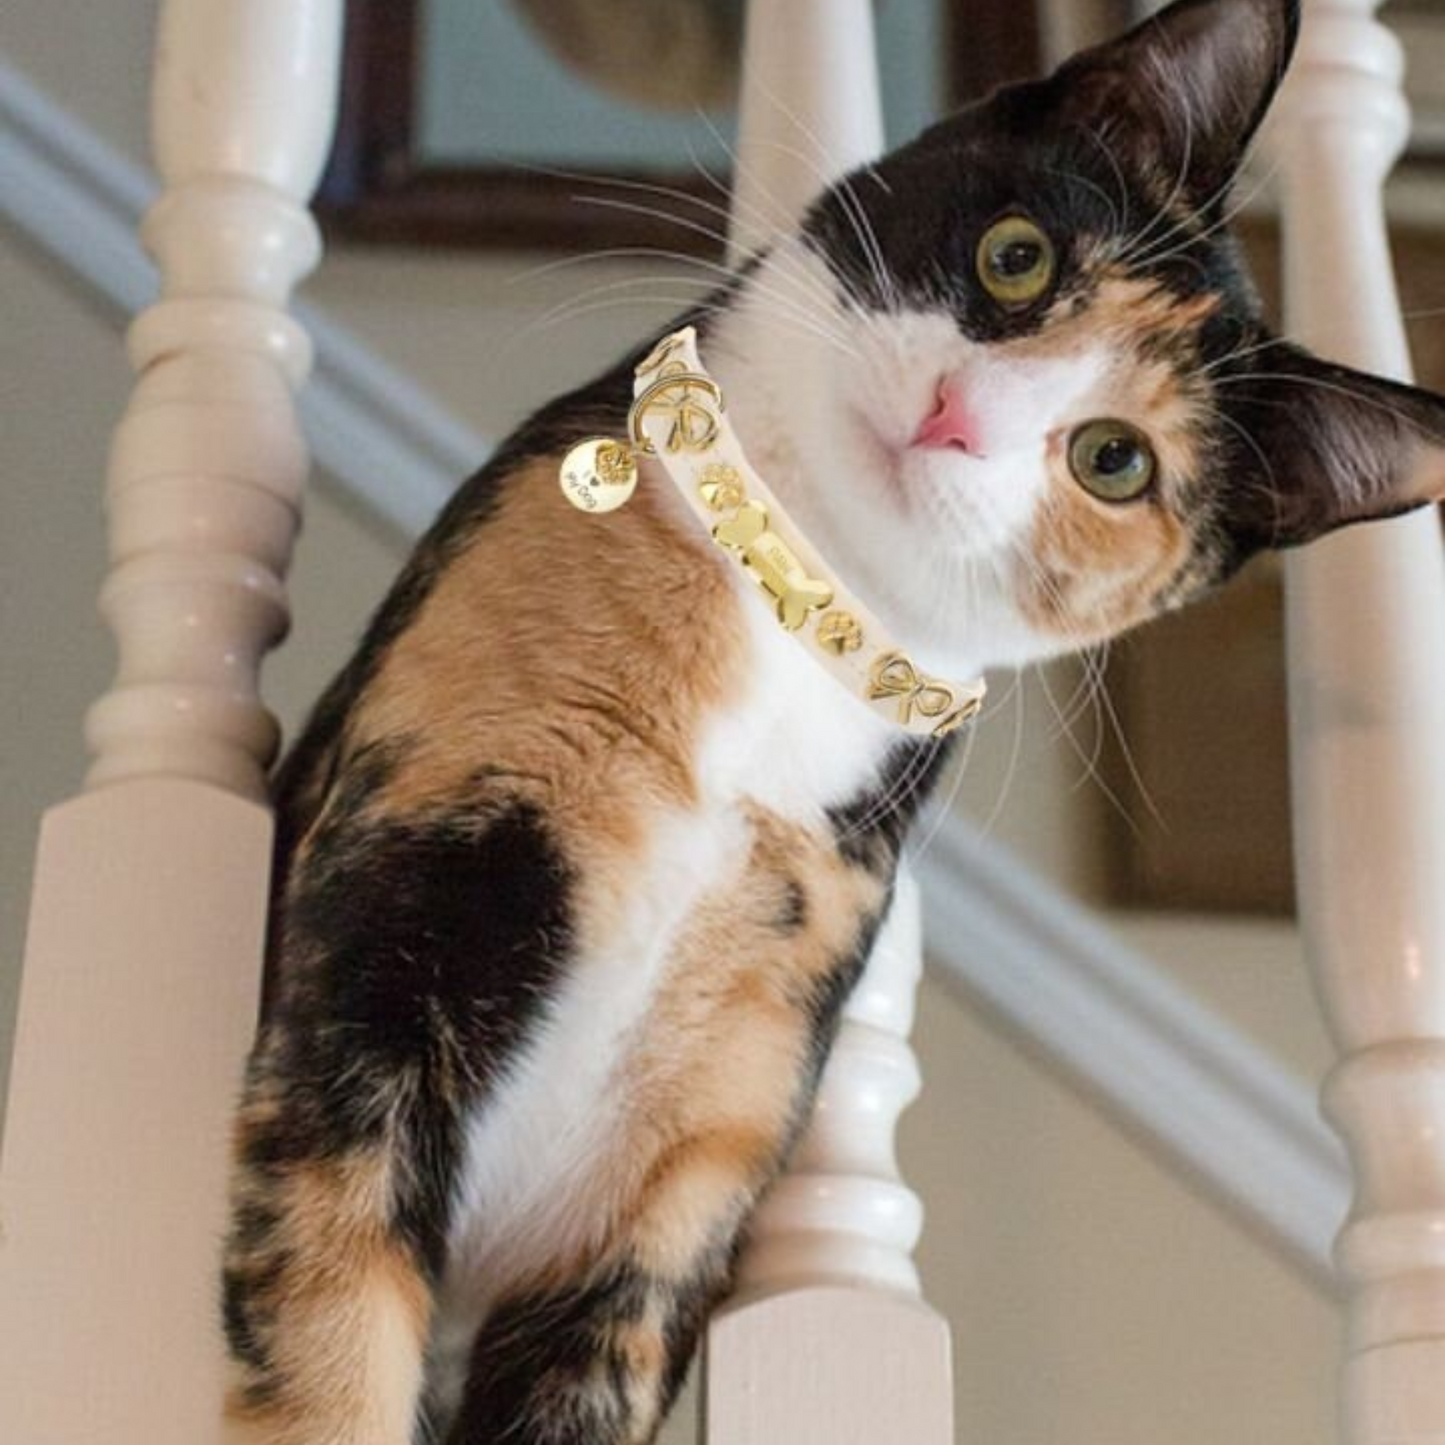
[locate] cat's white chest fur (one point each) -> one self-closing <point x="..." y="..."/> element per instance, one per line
<point x="792" y="741"/>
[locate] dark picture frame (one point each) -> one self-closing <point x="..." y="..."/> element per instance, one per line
<point x="380" y="188"/>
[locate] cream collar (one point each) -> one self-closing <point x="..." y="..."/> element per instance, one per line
<point x="678" y="415"/>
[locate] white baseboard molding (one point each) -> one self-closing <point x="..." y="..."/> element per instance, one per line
<point x="1172" y="1072"/>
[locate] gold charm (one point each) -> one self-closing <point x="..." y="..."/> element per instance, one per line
<point x="665" y="349"/>
<point x="680" y="397"/>
<point x="839" y="632"/>
<point x="894" y="675"/>
<point x="773" y="565"/>
<point x="721" y="487"/>
<point x="599" y="475"/>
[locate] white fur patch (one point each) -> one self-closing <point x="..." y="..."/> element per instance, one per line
<point x="537" y="1149"/>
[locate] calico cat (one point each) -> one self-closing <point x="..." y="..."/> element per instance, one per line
<point x="580" y="855"/>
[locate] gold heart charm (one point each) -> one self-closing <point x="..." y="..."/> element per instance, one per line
<point x="741" y="531"/>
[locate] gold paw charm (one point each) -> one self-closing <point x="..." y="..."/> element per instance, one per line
<point x="773" y="565"/>
<point x="839" y="632"/>
<point x="721" y="487"/>
<point x="894" y="675"/>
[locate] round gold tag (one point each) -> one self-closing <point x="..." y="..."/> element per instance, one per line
<point x="598" y="475"/>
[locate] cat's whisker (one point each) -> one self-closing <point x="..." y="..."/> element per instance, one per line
<point x="941" y="806"/>
<point x="830" y="171"/>
<point x="784" y="223"/>
<point x="689" y="304"/>
<point x="1340" y="388"/>
<point x="829" y="159"/>
<point x="1126" y="753"/>
<point x="1108" y="153"/>
<point x="1239" y="354"/>
<point x="898" y="793"/>
<point x="1089" y="758"/>
<point x="799" y="300"/>
<point x="1228" y="215"/>
<point x="1014" y="694"/>
<point x="1087" y="184"/>
<point x="1220" y="194"/>
<point x="782" y="218"/>
<point x="1181" y="179"/>
<point x="718" y="278"/>
<point x="683" y="223"/>
<point x="1270" y="487"/>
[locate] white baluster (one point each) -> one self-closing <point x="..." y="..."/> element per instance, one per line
<point x="140" y="980"/>
<point x="1366" y="612"/>
<point x="827" y="1341"/>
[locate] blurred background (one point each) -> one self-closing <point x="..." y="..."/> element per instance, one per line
<point x="487" y="147"/>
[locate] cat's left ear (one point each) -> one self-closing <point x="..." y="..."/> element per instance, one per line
<point x="1184" y="92"/>
<point x="1324" y="446"/>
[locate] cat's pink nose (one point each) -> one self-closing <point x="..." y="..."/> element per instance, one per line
<point x="952" y="423"/>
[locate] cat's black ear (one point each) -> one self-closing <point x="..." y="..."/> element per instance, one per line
<point x="1321" y="446"/>
<point x="1182" y="94"/>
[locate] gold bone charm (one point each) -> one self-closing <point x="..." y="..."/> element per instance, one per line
<point x="773" y="565"/>
<point x="894" y="675"/>
<point x="598" y="475"/>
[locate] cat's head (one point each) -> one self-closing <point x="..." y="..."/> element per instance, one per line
<point x="1041" y="404"/>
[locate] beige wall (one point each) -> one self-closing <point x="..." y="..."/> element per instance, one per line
<point x="1094" y="1297"/>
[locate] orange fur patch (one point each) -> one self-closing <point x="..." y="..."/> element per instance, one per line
<point x="1100" y="567"/>
<point x="711" y="1093"/>
<point x="570" y="657"/>
<point x="345" y="1364"/>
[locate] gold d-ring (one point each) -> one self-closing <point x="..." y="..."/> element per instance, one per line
<point x="684" y="435"/>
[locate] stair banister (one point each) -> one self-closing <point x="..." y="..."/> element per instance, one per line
<point x="827" y="1341"/>
<point x="140" y="979"/>
<point x="1366" y="637"/>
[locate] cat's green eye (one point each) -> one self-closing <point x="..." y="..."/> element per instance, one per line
<point x="1112" y="460"/>
<point x="1015" y="261"/>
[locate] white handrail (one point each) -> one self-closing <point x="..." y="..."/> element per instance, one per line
<point x="1366" y="637"/>
<point x="1039" y="957"/>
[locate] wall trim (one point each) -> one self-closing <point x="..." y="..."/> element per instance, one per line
<point x="1171" y="1071"/>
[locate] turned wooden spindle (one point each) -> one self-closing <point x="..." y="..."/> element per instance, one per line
<point x="140" y="980"/>
<point x="827" y="1341"/>
<point x="208" y="463"/>
<point x="1366" y="631"/>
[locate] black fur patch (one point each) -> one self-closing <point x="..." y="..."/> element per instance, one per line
<point x="534" y="1376"/>
<point x="419" y="958"/>
<point x="547" y="1369"/>
<point x="869" y="830"/>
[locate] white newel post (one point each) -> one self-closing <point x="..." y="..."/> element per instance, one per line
<point x="143" y="958"/>
<point x="1366" y="614"/>
<point x="828" y="1341"/>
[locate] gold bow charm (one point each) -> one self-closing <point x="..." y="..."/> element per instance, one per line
<point x="894" y="675"/>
